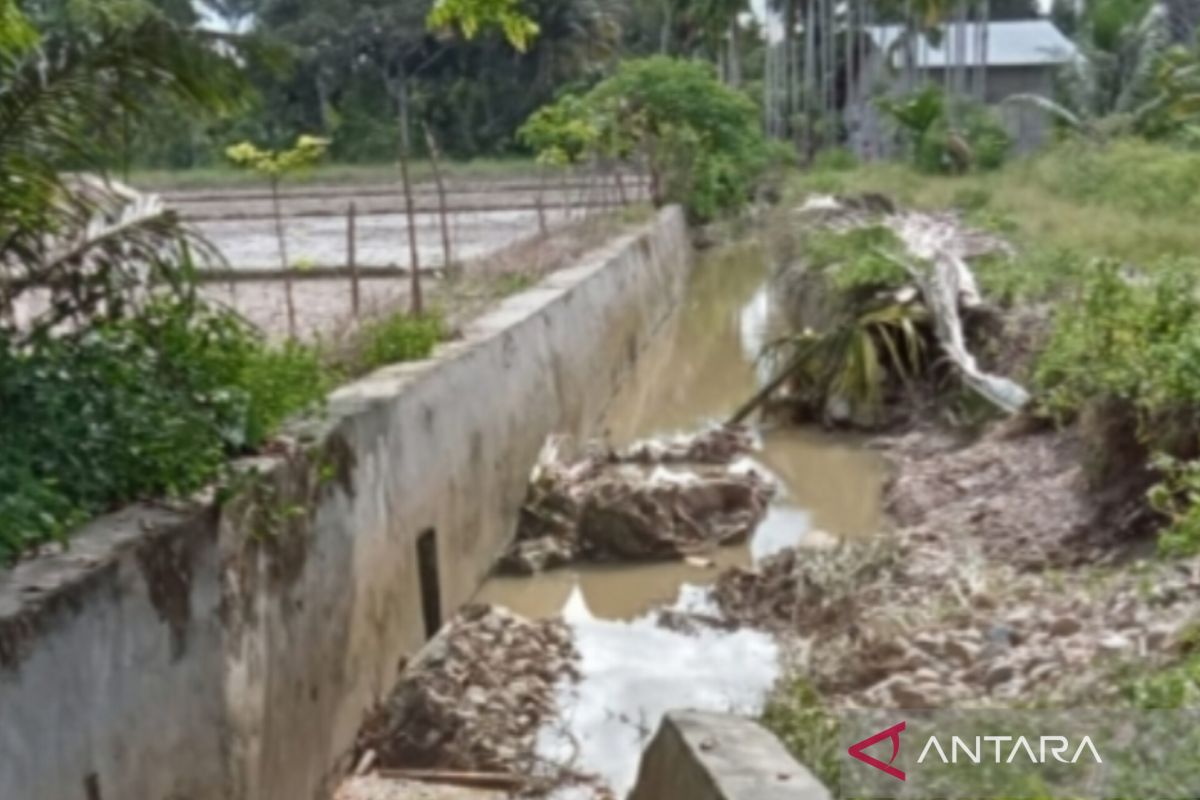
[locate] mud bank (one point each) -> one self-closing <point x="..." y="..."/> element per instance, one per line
<point x="1006" y="576"/>
<point x="231" y="650"/>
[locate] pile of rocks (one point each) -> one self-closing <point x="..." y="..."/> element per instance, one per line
<point x="476" y="698"/>
<point x="655" y="500"/>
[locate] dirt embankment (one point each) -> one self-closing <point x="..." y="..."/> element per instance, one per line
<point x="1009" y="575"/>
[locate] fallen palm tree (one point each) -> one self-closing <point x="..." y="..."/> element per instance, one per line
<point x="892" y="290"/>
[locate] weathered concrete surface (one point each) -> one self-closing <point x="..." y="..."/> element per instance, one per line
<point x="232" y="652"/>
<point x="703" y="756"/>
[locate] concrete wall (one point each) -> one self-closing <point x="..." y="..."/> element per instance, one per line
<point x="701" y="756"/>
<point x="230" y="652"/>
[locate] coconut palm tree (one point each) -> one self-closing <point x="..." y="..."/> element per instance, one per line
<point x="1122" y="43"/>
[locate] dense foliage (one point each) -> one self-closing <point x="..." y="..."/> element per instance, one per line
<point x="699" y="140"/>
<point x="135" y="408"/>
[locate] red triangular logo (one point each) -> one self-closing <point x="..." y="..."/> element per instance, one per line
<point x="892" y="733"/>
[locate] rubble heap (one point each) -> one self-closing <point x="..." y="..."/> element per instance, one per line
<point x="476" y="698"/>
<point x="654" y="500"/>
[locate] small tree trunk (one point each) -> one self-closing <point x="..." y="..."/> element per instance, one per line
<point x="540" y="200"/>
<point x="983" y="50"/>
<point x="622" y="197"/>
<point x="735" y="54"/>
<point x="352" y="259"/>
<point x="565" y="189"/>
<point x="434" y="155"/>
<point x="810" y="78"/>
<point x="281" y="239"/>
<point x="417" y="304"/>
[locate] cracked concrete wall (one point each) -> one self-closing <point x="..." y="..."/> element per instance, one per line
<point x="200" y="653"/>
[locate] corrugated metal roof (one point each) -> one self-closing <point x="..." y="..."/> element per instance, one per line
<point x="1015" y="43"/>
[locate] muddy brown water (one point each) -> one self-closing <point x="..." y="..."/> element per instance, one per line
<point x="697" y="370"/>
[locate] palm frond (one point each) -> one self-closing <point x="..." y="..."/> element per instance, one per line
<point x="1045" y="104"/>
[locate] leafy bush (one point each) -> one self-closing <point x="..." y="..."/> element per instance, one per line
<point x="1177" y="497"/>
<point x="1134" y="339"/>
<point x="701" y="140"/>
<point x="401" y="338"/>
<point x="148" y="406"/>
<point x="945" y="140"/>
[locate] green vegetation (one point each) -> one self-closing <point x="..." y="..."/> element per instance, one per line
<point x="797" y="714"/>
<point x="275" y="165"/>
<point x="117" y="383"/>
<point x="944" y="137"/>
<point x="1106" y="234"/>
<point x="401" y="338"/>
<point x="700" y="140"/>
<point x="136" y="408"/>
<point x="1177" y="686"/>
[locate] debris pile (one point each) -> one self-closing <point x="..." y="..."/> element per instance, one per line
<point x="476" y="698"/>
<point x="956" y="606"/>
<point x="654" y="500"/>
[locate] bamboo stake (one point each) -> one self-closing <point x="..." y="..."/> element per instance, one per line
<point x="283" y="258"/>
<point x="434" y="155"/>
<point x="352" y="258"/>
<point x="417" y="306"/>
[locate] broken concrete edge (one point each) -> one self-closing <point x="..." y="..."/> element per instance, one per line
<point x="271" y="619"/>
<point x="698" y="755"/>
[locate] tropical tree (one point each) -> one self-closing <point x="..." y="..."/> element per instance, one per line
<point x="275" y="165"/>
<point x="93" y="246"/>
<point x="699" y="140"/>
<point x="1114" y="84"/>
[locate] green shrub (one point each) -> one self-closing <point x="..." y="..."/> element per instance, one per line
<point x="1177" y="497"/>
<point x="401" y="338"/>
<point x="1131" y="338"/>
<point x="700" y="140"/>
<point x="139" y="408"/>
<point x="942" y="142"/>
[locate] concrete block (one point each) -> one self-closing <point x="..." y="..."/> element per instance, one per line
<point x="703" y="756"/>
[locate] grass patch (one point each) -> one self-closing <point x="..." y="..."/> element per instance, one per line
<point x="225" y="176"/>
<point x="401" y="337"/>
<point x="1128" y="201"/>
<point x="797" y="714"/>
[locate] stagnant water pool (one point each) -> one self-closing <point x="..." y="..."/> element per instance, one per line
<point x="633" y="670"/>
